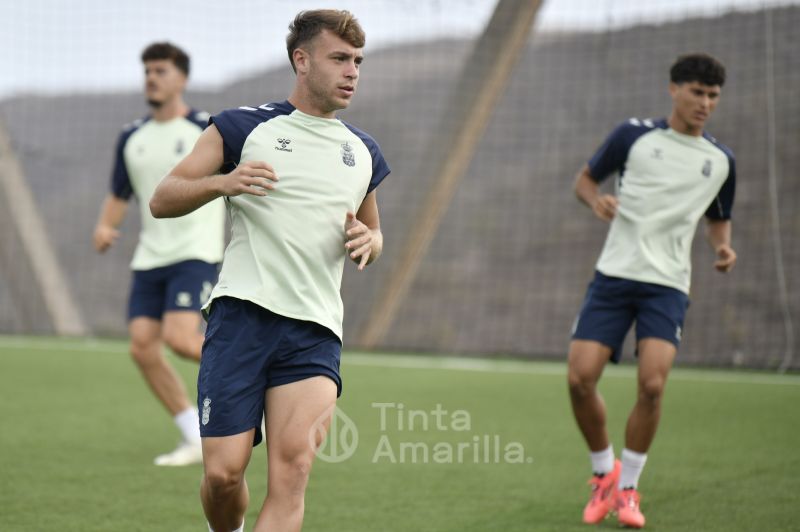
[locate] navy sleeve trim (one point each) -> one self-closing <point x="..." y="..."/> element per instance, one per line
<point x="613" y="153"/>
<point x="722" y="206"/>
<point x="380" y="168"/>
<point x="235" y="125"/>
<point x="120" y="180"/>
<point x="198" y="118"/>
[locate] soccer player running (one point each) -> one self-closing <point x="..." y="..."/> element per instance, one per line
<point x="670" y="173"/>
<point x="176" y="261"/>
<point x="299" y="185"/>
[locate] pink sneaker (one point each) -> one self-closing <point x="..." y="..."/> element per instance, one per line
<point x="604" y="492"/>
<point x="628" y="511"/>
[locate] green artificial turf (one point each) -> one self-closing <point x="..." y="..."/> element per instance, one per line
<point x="80" y="430"/>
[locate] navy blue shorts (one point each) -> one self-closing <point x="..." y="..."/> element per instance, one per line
<point x="182" y="286"/>
<point x="249" y="349"/>
<point x="612" y="304"/>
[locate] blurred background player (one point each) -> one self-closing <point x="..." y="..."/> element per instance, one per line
<point x="670" y="173"/>
<point x="300" y="187"/>
<point x="176" y="261"/>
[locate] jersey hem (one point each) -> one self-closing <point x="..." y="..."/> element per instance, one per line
<point x="645" y="279"/>
<point x="138" y="267"/>
<point x="274" y="308"/>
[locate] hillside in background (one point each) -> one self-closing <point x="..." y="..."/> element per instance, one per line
<point x="509" y="266"/>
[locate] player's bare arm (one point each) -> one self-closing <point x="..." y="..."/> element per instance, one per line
<point x="719" y="236"/>
<point x="587" y="190"/>
<point x="195" y="182"/>
<point x="106" y="231"/>
<point x="363" y="237"/>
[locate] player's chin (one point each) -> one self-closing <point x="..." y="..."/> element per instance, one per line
<point x="699" y="121"/>
<point x="344" y="96"/>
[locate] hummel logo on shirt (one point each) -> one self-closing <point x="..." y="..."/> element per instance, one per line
<point x="283" y="143"/>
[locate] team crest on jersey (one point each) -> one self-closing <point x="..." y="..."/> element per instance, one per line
<point x="283" y="143"/>
<point x="179" y="147"/>
<point x="348" y="157"/>
<point x="707" y="168"/>
<point x="206" y="411"/>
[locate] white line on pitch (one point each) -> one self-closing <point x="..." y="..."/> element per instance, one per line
<point x="95" y="345"/>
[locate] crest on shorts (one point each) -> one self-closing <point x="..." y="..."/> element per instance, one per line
<point x="206" y="411"/>
<point x="348" y="157"/>
<point x="183" y="299"/>
<point x="205" y="292"/>
<point x="707" y="168"/>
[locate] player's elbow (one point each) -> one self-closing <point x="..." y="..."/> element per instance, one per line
<point x="157" y="207"/>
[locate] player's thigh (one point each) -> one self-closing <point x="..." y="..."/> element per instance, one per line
<point x="226" y="457"/>
<point x="179" y="325"/>
<point x="586" y="360"/>
<point x="297" y="418"/>
<point x="656" y="356"/>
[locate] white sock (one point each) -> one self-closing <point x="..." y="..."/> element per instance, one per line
<point x="189" y="425"/>
<point x="603" y="461"/>
<point x="240" y="529"/>
<point x="632" y="465"/>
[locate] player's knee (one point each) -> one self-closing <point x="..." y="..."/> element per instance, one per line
<point x="295" y="469"/>
<point x="222" y="481"/>
<point x="144" y="353"/>
<point x="580" y="386"/>
<point x="651" y="390"/>
<point x="298" y="468"/>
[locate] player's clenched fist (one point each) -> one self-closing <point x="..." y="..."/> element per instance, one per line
<point x="251" y="177"/>
<point x="726" y="258"/>
<point x="104" y="237"/>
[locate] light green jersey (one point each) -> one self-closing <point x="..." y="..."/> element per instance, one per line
<point x="147" y="150"/>
<point x="287" y="252"/>
<point x="667" y="182"/>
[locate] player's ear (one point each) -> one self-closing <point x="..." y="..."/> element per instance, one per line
<point x="673" y="89"/>
<point x="302" y="60"/>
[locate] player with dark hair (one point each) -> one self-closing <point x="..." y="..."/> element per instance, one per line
<point x="299" y="185"/>
<point x="175" y="263"/>
<point x="670" y="173"/>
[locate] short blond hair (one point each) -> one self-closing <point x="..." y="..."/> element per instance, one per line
<point x="308" y="24"/>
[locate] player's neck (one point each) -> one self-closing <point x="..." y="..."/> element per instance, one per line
<point x="681" y="126"/>
<point x="304" y="102"/>
<point x="170" y="109"/>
